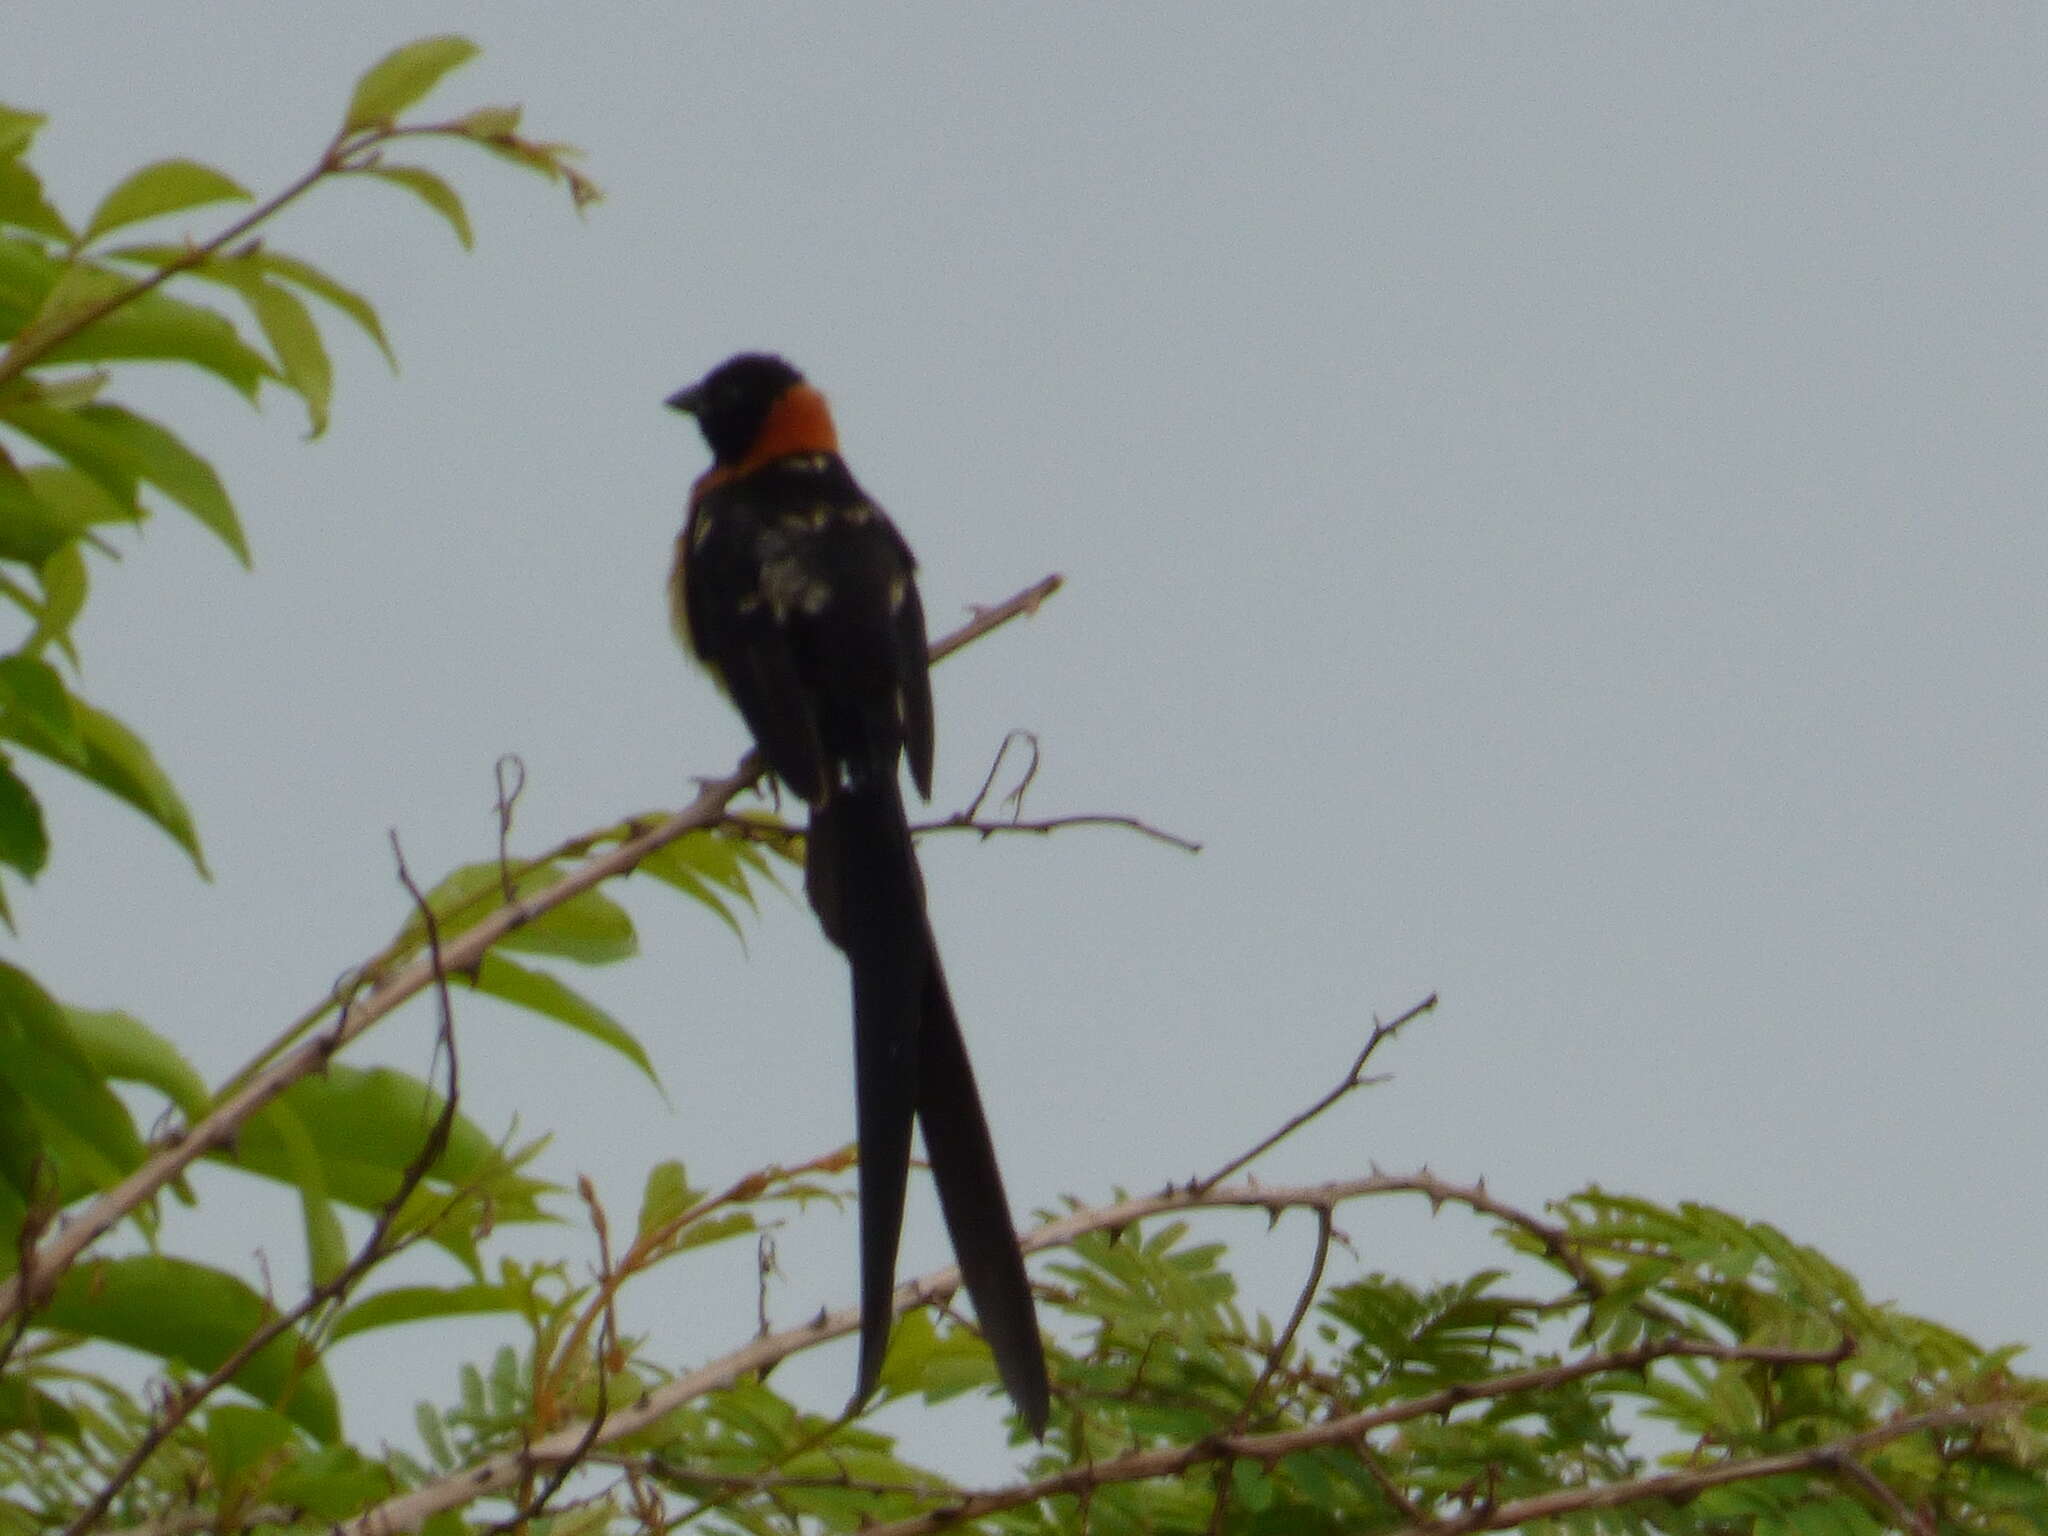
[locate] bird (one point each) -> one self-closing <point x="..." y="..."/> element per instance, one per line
<point x="797" y="593"/>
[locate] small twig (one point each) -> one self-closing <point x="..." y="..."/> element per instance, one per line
<point x="1352" y="1080"/>
<point x="655" y="1464"/>
<point x="1379" y="1474"/>
<point x="966" y="821"/>
<point x="764" y="1271"/>
<point x="35" y="1221"/>
<point x="800" y="1447"/>
<point x="1847" y="1467"/>
<point x="565" y="1468"/>
<point x="1015" y="797"/>
<point x="507" y="800"/>
<point x="1326" y="1228"/>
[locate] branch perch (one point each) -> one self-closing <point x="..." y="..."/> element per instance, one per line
<point x="218" y="1127"/>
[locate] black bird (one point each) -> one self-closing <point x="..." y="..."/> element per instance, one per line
<point x="800" y="596"/>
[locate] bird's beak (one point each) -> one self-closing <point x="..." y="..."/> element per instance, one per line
<point x="686" y="400"/>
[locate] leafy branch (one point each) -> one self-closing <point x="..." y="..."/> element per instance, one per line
<point x="171" y="186"/>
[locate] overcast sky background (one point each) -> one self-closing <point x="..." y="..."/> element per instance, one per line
<point x="1551" y="497"/>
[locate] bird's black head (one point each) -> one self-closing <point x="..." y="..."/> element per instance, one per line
<point x="733" y="400"/>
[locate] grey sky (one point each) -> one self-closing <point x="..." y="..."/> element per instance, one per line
<point x="1551" y="498"/>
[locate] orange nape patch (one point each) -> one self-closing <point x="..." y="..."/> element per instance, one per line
<point x="798" y="422"/>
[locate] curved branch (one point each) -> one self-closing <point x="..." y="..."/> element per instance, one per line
<point x="217" y="1128"/>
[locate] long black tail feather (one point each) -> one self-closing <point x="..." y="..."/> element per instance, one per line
<point x="910" y="1062"/>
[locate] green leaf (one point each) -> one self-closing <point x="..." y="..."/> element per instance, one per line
<point x="694" y="864"/>
<point x="64" y="391"/>
<point x="667" y="1196"/>
<point x="177" y="1310"/>
<point x="117" y="760"/>
<point x="71" y="435"/>
<point x="366" y="1127"/>
<point x="120" y="1046"/>
<point x="241" y="1440"/>
<point x="154" y="327"/>
<point x="589" y="928"/>
<point x="27" y="274"/>
<point x="489" y="122"/>
<point x="548" y="996"/>
<point x="18" y="130"/>
<point x="75" y="499"/>
<point x="330" y="1484"/>
<point x="82" y="1124"/>
<point x="24" y="841"/>
<point x="31" y="529"/>
<point x="24" y="1410"/>
<point x="65" y="585"/>
<point x="23" y="204"/>
<point x="326" y="1248"/>
<point x="301" y="355"/>
<point x="422" y="1303"/>
<point x="252" y="264"/>
<point x="32" y="688"/>
<point x="168" y="186"/>
<point x="431" y="190"/>
<point x="164" y="462"/>
<point x="26" y="1173"/>
<point x="401" y="78"/>
<point x="304" y="274"/>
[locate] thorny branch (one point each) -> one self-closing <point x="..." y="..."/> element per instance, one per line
<point x="408" y="1511"/>
<point x="1352" y="1080"/>
<point x="496" y="1474"/>
<point x="388" y="989"/>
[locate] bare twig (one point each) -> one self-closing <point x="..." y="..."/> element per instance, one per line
<point x="513" y="767"/>
<point x="1276" y="1357"/>
<point x="1015" y="798"/>
<point x="1352" y="1080"/>
<point x="389" y="991"/>
<point x="180" y="1404"/>
<point x="965" y="821"/>
<point x="1396" y="1496"/>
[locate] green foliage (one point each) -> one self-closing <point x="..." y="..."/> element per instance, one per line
<point x="1620" y="1367"/>
<point x="76" y="464"/>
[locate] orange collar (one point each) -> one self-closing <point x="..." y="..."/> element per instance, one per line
<point x="798" y="422"/>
